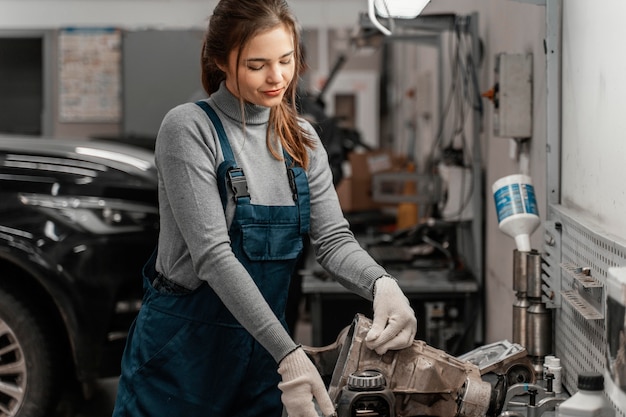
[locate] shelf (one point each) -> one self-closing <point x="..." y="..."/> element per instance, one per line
<point x="578" y="274"/>
<point x="581" y="305"/>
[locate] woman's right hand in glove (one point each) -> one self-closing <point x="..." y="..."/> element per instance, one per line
<point x="301" y="383"/>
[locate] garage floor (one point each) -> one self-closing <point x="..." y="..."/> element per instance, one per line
<point x="101" y="405"/>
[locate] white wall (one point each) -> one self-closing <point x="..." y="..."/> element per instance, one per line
<point x="594" y="122"/>
<point x="166" y="14"/>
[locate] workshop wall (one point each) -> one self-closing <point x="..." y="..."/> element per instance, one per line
<point x="593" y="122"/>
<point x="155" y="14"/>
<point x="505" y="26"/>
<point x="145" y="22"/>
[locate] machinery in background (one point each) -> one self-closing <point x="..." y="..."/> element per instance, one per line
<point x="417" y="381"/>
<point x="431" y="244"/>
<point x="440" y="287"/>
<point x="444" y="326"/>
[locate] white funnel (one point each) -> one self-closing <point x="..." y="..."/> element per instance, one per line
<point x="516" y="207"/>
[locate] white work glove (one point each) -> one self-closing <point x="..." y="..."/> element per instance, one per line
<point x="394" y="325"/>
<point x="301" y="383"/>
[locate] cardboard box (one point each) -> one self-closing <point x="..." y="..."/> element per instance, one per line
<point x="355" y="191"/>
<point x="355" y="194"/>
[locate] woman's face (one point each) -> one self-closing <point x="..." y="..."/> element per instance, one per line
<point x="266" y="68"/>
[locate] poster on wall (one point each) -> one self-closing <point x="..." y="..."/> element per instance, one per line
<point x="90" y="75"/>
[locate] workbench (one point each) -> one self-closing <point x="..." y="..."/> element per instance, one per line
<point x="445" y="302"/>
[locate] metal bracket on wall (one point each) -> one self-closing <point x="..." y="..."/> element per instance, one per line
<point x="587" y="296"/>
<point x="551" y="271"/>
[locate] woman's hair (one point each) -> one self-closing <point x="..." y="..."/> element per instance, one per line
<point x="231" y="27"/>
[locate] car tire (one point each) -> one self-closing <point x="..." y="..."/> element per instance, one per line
<point x="27" y="375"/>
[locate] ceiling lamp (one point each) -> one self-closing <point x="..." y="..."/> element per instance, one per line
<point x="394" y="9"/>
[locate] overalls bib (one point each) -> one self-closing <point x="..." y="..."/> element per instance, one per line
<point x="186" y="355"/>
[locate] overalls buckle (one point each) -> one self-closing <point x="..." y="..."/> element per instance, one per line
<point x="238" y="183"/>
<point x="292" y="183"/>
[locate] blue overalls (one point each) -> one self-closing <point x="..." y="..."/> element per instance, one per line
<point x="186" y="355"/>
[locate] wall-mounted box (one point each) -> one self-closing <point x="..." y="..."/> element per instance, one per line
<point x="513" y="96"/>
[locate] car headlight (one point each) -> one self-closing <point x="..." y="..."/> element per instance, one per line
<point x="94" y="214"/>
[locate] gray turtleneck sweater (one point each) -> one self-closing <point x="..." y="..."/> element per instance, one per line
<point x="194" y="245"/>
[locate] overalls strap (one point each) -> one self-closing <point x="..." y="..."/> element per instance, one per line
<point x="221" y="133"/>
<point x="300" y="191"/>
<point x="235" y="177"/>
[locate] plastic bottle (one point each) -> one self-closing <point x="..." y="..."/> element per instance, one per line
<point x="554" y="368"/>
<point x="546" y="362"/>
<point x="516" y="207"/>
<point x="589" y="401"/>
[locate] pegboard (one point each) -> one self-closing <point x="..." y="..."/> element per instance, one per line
<point x="576" y="257"/>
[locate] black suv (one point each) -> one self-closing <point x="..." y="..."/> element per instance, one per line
<point x="78" y="219"/>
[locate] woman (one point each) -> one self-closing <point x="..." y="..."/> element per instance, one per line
<point x="241" y="180"/>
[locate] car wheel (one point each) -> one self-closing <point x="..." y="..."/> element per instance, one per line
<point x="27" y="377"/>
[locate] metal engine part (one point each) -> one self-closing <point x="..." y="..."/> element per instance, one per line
<point x="366" y="394"/>
<point x="425" y="381"/>
<point x="504" y="358"/>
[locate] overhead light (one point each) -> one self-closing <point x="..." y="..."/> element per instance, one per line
<point x="395" y="9"/>
<point x="400" y="9"/>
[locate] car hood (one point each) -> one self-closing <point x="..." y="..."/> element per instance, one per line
<point x="128" y="158"/>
